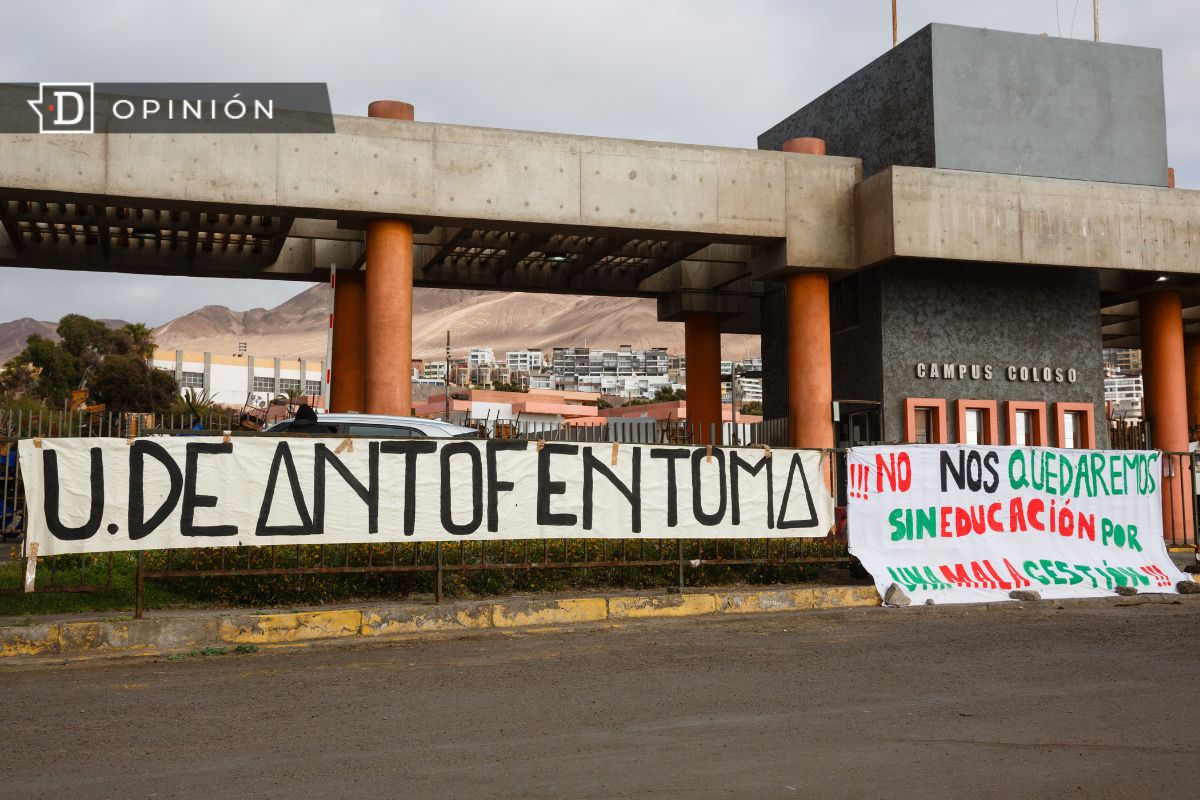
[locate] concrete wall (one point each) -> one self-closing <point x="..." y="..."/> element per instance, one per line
<point x="882" y="114"/>
<point x="992" y="101"/>
<point x="989" y="315"/>
<point x="1047" y="106"/>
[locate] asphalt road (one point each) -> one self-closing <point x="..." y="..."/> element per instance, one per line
<point x="921" y="703"/>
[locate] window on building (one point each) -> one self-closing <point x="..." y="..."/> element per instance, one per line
<point x="312" y="388"/>
<point x="1026" y="423"/>
<point x="977" y="421"/>
<point x="192" y="380"/>
<point x="923" y="419"/>
<point x="1024" y="432"/>
<point x="263" y="384"/>
<point x="1075" y="425"/>
<point x="974" y="432"/>
<point x="289" y="383"/>
<point x="1072" y="433"/>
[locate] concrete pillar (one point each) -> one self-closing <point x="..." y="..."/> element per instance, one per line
<point x="347" y="370"/>
<point x="388" y="294"/>
<point x="810" y="367"/>
<point x="1191" y="358"/>
<point x="1165" y="406"/>
<point x="702" y="347"/>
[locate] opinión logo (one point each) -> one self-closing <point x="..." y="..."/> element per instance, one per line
<point x="65" y="107"/>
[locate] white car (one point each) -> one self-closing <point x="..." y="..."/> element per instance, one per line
<point x="377" y="425"/>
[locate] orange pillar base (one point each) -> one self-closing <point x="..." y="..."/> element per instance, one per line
<point x="389" y="291"/>
<point x="810" y="366"/>
<point x="349" y="326"/>
<point x="702" y="346"/>
<point x="1165" y="407"/>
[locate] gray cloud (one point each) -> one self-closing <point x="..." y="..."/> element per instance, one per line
<point x="698" y="71"/>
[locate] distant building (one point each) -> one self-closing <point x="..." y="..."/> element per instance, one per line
<point x="236" y="380"/>
<point x="1124" y="392"/>
<point x="525" y="360"/>
<point x="1123" y="360"/>
<point x="481" y="357"/>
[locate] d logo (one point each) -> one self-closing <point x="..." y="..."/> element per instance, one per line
<point x="65" y="108"/>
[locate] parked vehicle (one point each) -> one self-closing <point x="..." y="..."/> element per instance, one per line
<point x="374" y="425"/>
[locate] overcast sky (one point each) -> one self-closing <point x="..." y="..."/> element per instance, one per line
<point x="691" y="71"/>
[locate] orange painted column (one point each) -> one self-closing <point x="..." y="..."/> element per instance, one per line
<point x="810" y="365"/>
<point x="702" y="348"/>
<point x="1191" y="359"/>
<point x="388" y="301"/>
<point x="805" y="144"/>
<point x="349" y="328"/>
<point x="389" y="293"/>
<point x="1165" y="406"/>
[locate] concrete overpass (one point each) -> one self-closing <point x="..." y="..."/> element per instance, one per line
<point x="398" y="203"/>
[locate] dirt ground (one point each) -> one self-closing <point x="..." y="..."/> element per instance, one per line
<point x="1041" y="701"/>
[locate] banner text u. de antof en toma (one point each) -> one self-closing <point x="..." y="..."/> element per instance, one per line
<point x="96" y="495"/>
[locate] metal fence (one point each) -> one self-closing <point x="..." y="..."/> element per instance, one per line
<point x="688" y="561"/>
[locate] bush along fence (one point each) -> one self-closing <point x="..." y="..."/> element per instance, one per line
<point x="520" y="561"/>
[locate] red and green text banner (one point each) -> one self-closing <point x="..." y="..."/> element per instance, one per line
<point x="965" y="524"/>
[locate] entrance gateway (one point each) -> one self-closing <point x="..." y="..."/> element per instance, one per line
<point x="920" y="212"/>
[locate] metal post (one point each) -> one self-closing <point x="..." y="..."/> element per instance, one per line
<point x="139" y="592"/>
<point x="328" y="339"/>
<point x="437" y="586"/>
<point x="679" y="554"/>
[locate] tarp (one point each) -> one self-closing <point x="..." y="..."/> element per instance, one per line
<point x="962" y="524"/>
<point x="97" y="495"/>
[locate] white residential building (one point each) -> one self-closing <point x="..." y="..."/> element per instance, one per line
<point x="480" y="357"/>
<point x="1125" y="393"/>
<point x="525" y="360"/>
<point x="235" y="380"/>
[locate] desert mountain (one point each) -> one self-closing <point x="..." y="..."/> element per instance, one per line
<point x="13" y="334"/>
<point x="503" y="321"/>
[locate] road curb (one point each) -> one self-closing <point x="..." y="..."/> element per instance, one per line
<point x="165" y="634"/>
<point x="157" y="635"/>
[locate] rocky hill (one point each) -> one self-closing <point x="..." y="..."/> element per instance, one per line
<point x="502" y="321"/>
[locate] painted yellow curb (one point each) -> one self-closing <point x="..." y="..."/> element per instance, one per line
<point x="675" y="605"/>
<point x="277" y="628"/>
<point x="172" y="634"/>
<point x="552" y="612"/>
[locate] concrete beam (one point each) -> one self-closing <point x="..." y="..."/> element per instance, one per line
<point x="678" y="306"/>
<point x="974" y="216"/>
<point x="457" y="176"/>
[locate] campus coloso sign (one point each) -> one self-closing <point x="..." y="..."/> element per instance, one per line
<point x="1017" y="373"/>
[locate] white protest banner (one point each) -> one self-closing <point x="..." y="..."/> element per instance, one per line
<point x="97" y="495"/>
<point x="964" y="524"/>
